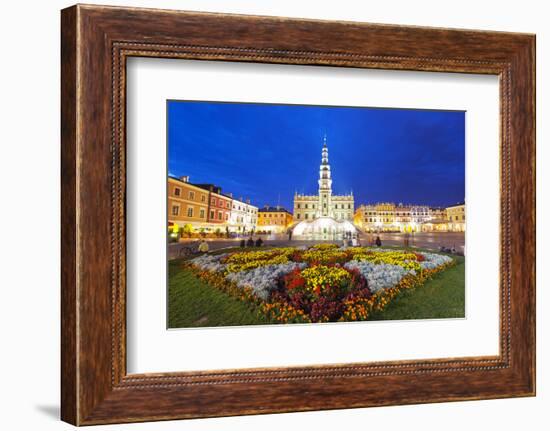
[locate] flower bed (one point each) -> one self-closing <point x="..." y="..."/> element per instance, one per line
<point x="321" y="283"/>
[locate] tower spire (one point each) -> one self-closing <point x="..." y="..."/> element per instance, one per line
<point x="325" y="182"/>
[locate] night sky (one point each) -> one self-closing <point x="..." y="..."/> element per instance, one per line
<point x="267" y="152"/>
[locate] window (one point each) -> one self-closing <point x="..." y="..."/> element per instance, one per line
<point x="175" y="210"/>
<point x="203" y="198"/>
<point x="201" y="213"/>
<point x="226" y="216"/>
<point x="211" y="215"/>
<point x="228" y="205"/>
<point x="297" y="216"/>
<point x="220" y="217"/>
<point x="307" y="216"/>
<point x="177" y="191"/>
<point x="189" y="211"/>
<point x="307" y="206"/>
<point x="191" y="195"/>
<point x="298" y="206"/>
<point x="213" y="201"/>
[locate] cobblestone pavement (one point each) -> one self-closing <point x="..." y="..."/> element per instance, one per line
<point x="428" y="240"/>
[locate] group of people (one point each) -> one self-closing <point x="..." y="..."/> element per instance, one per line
<point x="352" y="241"/>
<point x="251" y="243"/>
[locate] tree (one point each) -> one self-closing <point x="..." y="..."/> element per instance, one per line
<point x="187" y="229"/>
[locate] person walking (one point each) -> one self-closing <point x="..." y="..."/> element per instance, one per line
<point x="378" y="242"/>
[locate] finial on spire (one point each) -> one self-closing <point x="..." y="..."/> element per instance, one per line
<point x="325" y="140"/>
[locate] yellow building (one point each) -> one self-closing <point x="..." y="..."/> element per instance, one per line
<point x="389" y="217"/>
<point x="456" y="216"/>
<point x="274" y="219"/>
<point x="187" y="205"/>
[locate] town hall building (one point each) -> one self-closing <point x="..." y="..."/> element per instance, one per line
<point x="324" y="204"/>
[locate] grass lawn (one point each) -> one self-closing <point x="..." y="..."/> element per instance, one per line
<point x="194" y="303"/>
<point x="440" y="297"/>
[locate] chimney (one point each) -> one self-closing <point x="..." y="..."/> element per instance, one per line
<point x="248" y="201"/>
<point x="185" y="178"/>
<point x="230" y="194"/>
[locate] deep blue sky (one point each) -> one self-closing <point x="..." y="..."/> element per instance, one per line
<point x="267" y="152"/>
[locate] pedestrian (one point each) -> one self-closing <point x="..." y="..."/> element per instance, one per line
<point x="243" y="243"/>
<point x="259" y="242"/>
<point x="378" y="242"/>
<point x="203" y="246"/>
<point x="290" y="234"/>
<point x="250" y="242"/>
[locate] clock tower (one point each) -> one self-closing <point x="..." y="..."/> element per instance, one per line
<point x="325" y="184"/>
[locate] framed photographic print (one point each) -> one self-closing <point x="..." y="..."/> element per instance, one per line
<point x="330" y="214"/>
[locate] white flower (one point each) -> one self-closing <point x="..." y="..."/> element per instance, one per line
<point x="209" y="262"/>
<point x="433" y="260"/>
<point x="379" y="276"/>
<point x="263" y="280"/>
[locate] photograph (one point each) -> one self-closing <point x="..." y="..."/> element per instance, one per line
<point x="280" y="214"/>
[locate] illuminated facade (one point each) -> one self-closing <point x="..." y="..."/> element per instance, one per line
<point x="219" y="206"/>
<point x="203" y="208"/>
<point x="274" y="219"/>
<point x="187" y="204"/>
<point x="389" y="217"/>
<point x="323" y="204"/>
<point x="456" y="217"/>
<point x="243" y="217"/>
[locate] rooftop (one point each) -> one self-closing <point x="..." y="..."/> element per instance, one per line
<point x="270" y="209"/>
